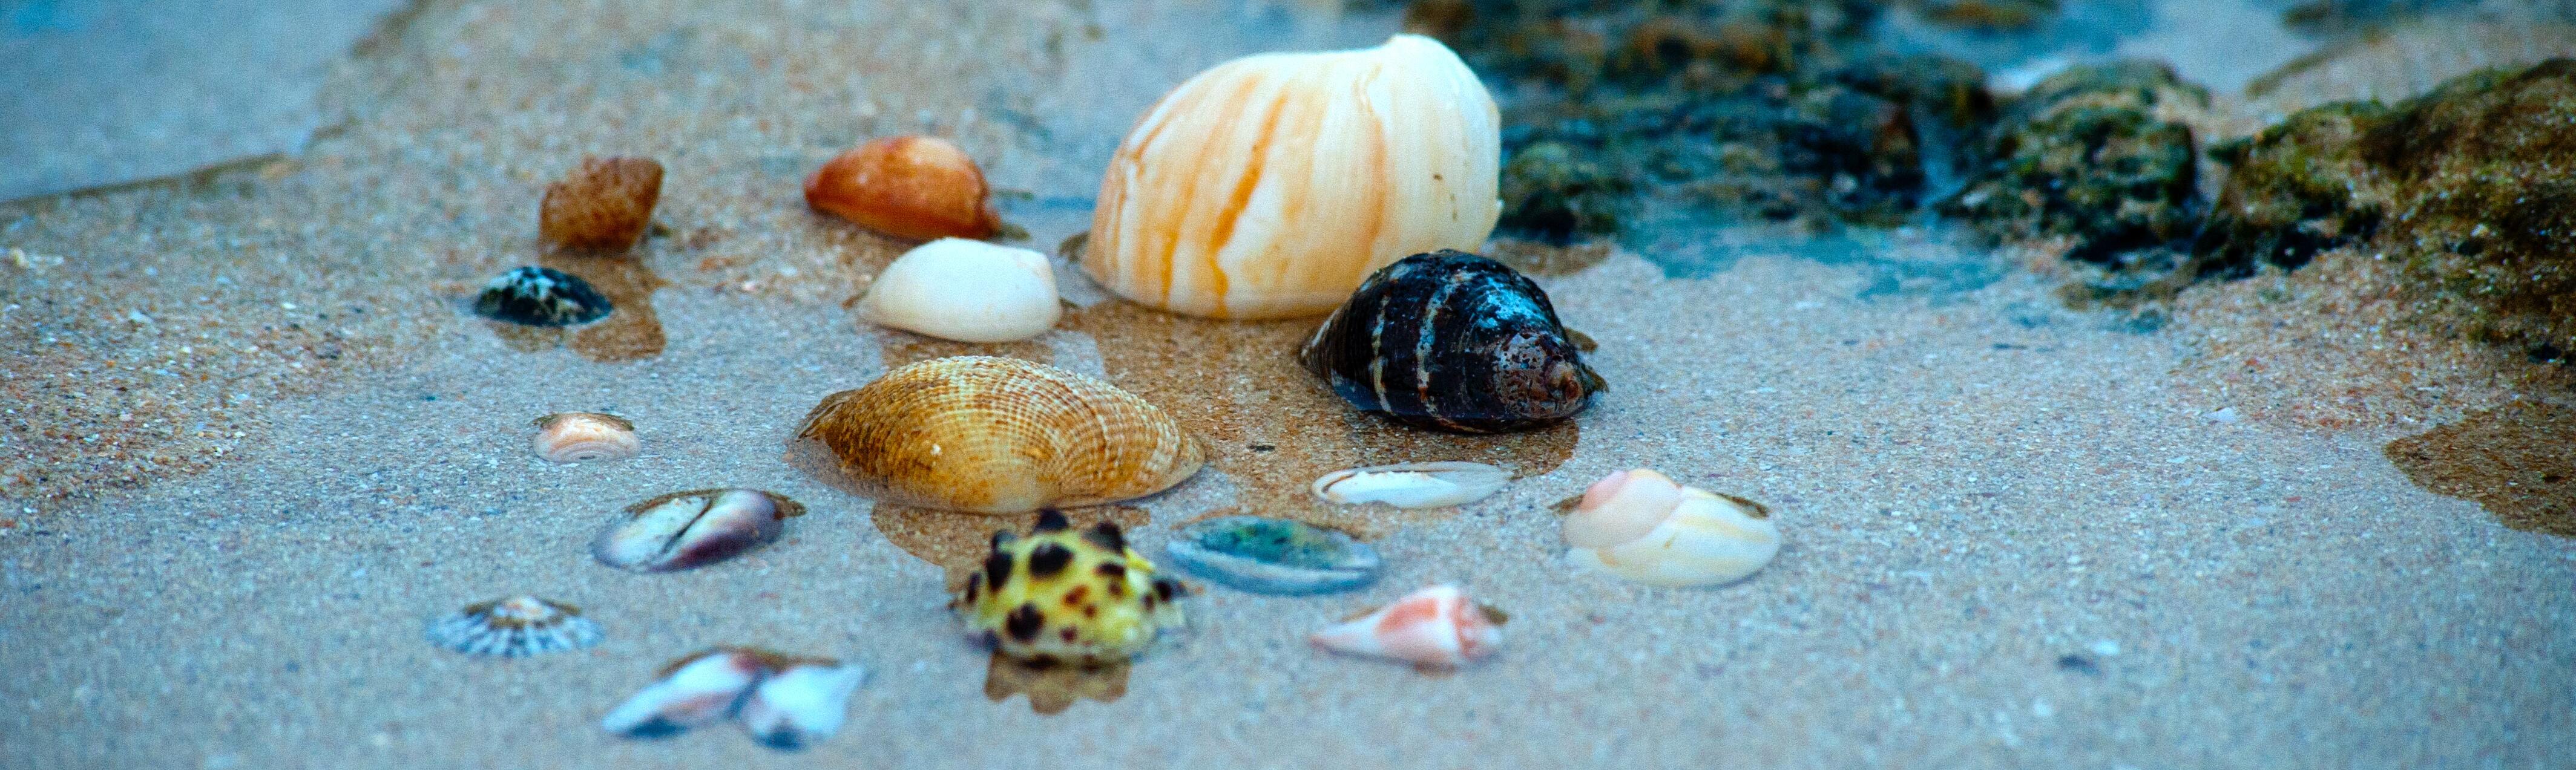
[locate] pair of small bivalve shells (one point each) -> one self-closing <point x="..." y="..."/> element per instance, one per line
<point x="785" y="702"/>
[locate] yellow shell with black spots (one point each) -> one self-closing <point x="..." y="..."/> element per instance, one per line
<point x="1058" y="595"/>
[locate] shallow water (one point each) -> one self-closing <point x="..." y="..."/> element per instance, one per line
<point x="2014" y="537"/>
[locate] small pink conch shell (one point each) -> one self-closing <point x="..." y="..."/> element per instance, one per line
<point x="1435" y="626"/>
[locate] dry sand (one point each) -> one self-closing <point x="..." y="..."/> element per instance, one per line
<point x="2016" y="536"/>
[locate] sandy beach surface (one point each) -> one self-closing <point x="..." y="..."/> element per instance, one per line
<point x="2017" y="534"/>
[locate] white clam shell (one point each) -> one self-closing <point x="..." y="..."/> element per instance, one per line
<point x="1434" y="626"/>
<point x="1270" y="186"/>
<point x="1641" y="526"/>
<point x="801" y="705"/>
<point x="697" y="691"/>
<point x="968" y="291"/>
<point x="1412" y="485"/>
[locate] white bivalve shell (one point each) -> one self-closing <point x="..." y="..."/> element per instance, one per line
<point x="968" y="291"/>
<point x="1640" y="525"/>
<point x="1271" y="185"/>
<point x="1413" y="485"/>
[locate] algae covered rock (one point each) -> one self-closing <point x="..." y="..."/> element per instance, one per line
<point x="1554" y="193"/>
<point x="2484" y="169"/>
<point x="2094" y="154"/>
<point x="2293" y="190"/>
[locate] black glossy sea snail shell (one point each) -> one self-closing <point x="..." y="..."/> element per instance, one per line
<point x="1452" y="341"/>
<point x="541" y="296"/>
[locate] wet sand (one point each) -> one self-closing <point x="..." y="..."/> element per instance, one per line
<point x="2015" y="534"/>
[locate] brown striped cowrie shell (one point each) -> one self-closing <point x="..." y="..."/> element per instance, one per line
<point x="1000" y="435"/>
<point x="1269" y="186"/>
<point x="1455" y="342"/>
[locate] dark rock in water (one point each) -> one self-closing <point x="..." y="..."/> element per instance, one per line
<point x="2293" y="190"/>
<point x="541" y="296"/>
<point x="1452" y="341"/>
<point x="2085" y="154"/>
<point x="1273" y="556"/>
<point x="2484" y="173"/>
<point x="1552" y="195"/>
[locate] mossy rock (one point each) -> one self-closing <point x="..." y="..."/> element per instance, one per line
<point x="2293" y="190"/>
<point x="2085" y="155"/>
<point x="1555" y="193"/>
<point x="2484" y="170"/>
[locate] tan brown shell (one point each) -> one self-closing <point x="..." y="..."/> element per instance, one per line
<point x="604" y="204"/>
<point x="1000" y="435"/>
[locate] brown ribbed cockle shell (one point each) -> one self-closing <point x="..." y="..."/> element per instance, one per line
<point x="1000" y="435"/>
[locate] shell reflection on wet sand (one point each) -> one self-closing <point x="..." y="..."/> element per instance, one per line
<point x="1270" y="427"/>
<point x="573" y="437"/>
<point x="685" y="530"/>
<point x="1053" y="687"/>
<point x="516" y="627"/>
<point x="999" y="435"/>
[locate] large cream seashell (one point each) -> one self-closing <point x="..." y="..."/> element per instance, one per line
<point x="968" y="291"/>
<point x="1435" y="626"/>
<point x="1640" y="525"/>
<point x="1269" y="186"/>
<point x="1000" y="435"/>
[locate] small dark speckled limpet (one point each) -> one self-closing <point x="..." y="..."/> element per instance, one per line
<point x="1273" y="556"/>
<point x="1452" y="341"/>
<point x="541" y="296"/>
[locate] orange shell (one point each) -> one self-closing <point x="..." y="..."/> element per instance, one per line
<point x="1000" y="435"/>
<point x="604" y="204"/>
<point x="917" y="187"/>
